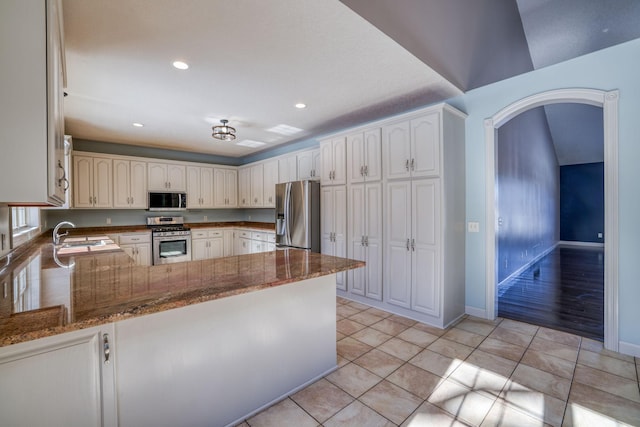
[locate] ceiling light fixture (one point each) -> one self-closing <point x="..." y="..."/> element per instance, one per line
<point x="138" y="125"/>
<point x="180" y="65"/>
<point x="224" y="132"/>
<point x="301" y="105"/>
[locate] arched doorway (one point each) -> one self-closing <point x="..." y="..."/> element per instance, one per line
<point x="608" y="101"/>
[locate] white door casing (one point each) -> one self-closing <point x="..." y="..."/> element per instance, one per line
<point x="608" y="101"/>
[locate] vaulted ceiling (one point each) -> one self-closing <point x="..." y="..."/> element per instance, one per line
<point x="350" y="61"/>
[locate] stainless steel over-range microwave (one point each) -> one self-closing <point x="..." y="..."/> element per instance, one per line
<point x="167" y="201"/>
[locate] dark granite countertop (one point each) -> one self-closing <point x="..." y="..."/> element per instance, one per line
<point x="45" y="294"/>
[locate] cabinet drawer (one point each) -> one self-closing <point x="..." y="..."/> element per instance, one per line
<point x="199" y="234"/>
<point x="127" y="239"/>
<point x="216" y="233"/>
<point x="271" y="237"/>
<point x="245" y="234"/>
<point x="258" y="235"/>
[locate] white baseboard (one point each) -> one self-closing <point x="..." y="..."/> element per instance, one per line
<point x="629" y="349"/>
<point x="476" y="312"/>
<point x="583" y="244"/>
<point x="501" y="286"/>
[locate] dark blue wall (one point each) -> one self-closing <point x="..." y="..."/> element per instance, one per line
<point x="527" y="191"/>
<point x="582" y="202"/>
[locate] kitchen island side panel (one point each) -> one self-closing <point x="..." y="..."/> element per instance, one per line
<point x="217" y="362"/>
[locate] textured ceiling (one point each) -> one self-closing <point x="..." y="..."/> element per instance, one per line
<point x="350" y="61"/>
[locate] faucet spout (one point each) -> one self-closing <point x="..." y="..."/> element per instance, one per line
<point x="56" y="236"/>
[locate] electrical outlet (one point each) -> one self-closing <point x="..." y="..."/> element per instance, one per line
<point x="249" y="217"/>
<point x="473" y="227"/>
<point x="205" y="218"/>
<point x="108" y="221"/>
<point x="599" y="235"/>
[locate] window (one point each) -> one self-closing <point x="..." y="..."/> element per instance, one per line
<point x="25" y="224"/>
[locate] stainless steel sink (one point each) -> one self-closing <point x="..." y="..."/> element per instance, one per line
<point x="84" y="243"/>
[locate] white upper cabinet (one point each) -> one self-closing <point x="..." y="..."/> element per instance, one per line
<point x="363" y="156"/>
<point x="269" y="183"/>
<point x="288" y="169"/>
<point x="412" y="147"/>
<point x="333" y="161"/>
<point x="257" y="189"/>
<point x="31" y="119"/>
<point x="129" y="184"/>
<point x="92" y="182"/>
<point x="167" y="177"/>
<point x="225" y="190"/>
<point x="244" y="187"/>
<point x="308" y="165"/>
<point x="199" y="187"/>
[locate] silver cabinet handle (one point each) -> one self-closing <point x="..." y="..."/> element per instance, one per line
<point x="105" y="348"/>
<point x="361" y="170"/>
<point x="413" y="164"/>
<point x="407" y="244"/>
<point x="361" y="240"/>
<point x="366" y="241"/>
<point x="413" y="245"/>
<point x="406" y="165"/>
<point x="366" y="170"/>
<point x="169" y="184"/>
<point x="4" y="238"/>
<point x="63" y="178"/>
<point x="90" y="200"/>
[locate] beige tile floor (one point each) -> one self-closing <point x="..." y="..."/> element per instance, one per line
<point x="394" y="371"/>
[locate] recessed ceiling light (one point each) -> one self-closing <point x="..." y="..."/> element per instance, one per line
<point x="301" y="105"/>
<point x="250" y="143"/>
<point x="138" y="125"/>
<point x="180" y="65"/>
<point x="284" y="130"/>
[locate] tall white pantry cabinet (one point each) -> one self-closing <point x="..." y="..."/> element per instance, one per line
<point x="407" y="222"/>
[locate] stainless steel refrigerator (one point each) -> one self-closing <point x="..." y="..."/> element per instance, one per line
<point x="298" y="215"/>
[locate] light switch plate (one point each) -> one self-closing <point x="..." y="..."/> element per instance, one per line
<point x="473" y="227"/>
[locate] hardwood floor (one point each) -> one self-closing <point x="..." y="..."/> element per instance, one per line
<point x="564" y="291"/>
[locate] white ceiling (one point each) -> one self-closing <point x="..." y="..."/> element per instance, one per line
<point x="250" y="62"/>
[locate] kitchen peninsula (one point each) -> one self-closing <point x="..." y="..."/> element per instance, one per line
<point x="95" y="339"/>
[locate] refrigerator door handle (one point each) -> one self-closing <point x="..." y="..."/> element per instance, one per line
<point x="287" y="212"/>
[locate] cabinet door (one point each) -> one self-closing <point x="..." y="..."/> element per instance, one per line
<point x="355" y="159"/>
<point x="315" y="164"/>
<point x="219" y="190"/>
<point x="339" y="161"/>
<point x="340" y="231"/>
<point x="193" y="187"/>
<point x="138" y="185"/>
<point x="425" y="275"/>
<point x="357" y="231"/>
<point x="398" y="232"/>
<point x="177" y="177"/>
<point x="244" y="184"/>
<point x="372" y="155"/>
<point x="326" y="162"/>
<point x="59" y="381"/>
<point x="257" y="189"/>
<point x="425" y="145"/>
<point x="82" y="182"/>
<point x="327" y="220"/>
<point x="287" y="169"/>
<point x="121" y="183"/>
<point x="269" y="183"/>
<point x="373" y="240"/>
<point x="144" y="253"/>
<point x="102" y="183"/>
<point x="228" y="243"/>
<point x="157" y="176"/>
<point x="206" y="187"/>
<point x="199" y="249"/>
<point x="216" y="247"/>
<point x="231" y="184"/>
<point x="396" y="146"/>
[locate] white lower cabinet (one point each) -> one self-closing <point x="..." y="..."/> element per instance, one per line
<point x="365" y="239"/>
<point x="207" y="243"/>
<point x="412" y="248"/>
<point x="137" y="246"/>
<point x="64" y="380"/>
<point x="333" y="226"/>
<point x="252" y="242"/>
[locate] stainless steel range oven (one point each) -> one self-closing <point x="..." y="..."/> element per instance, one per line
<point x="171" y="240"/>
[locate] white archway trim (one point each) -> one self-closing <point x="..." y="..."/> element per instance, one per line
<point x="608" y="101"/>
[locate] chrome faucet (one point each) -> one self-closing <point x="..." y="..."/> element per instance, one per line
<point x="56" y="236"/>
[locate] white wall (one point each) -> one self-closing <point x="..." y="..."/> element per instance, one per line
<point x="609" y="69"/>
